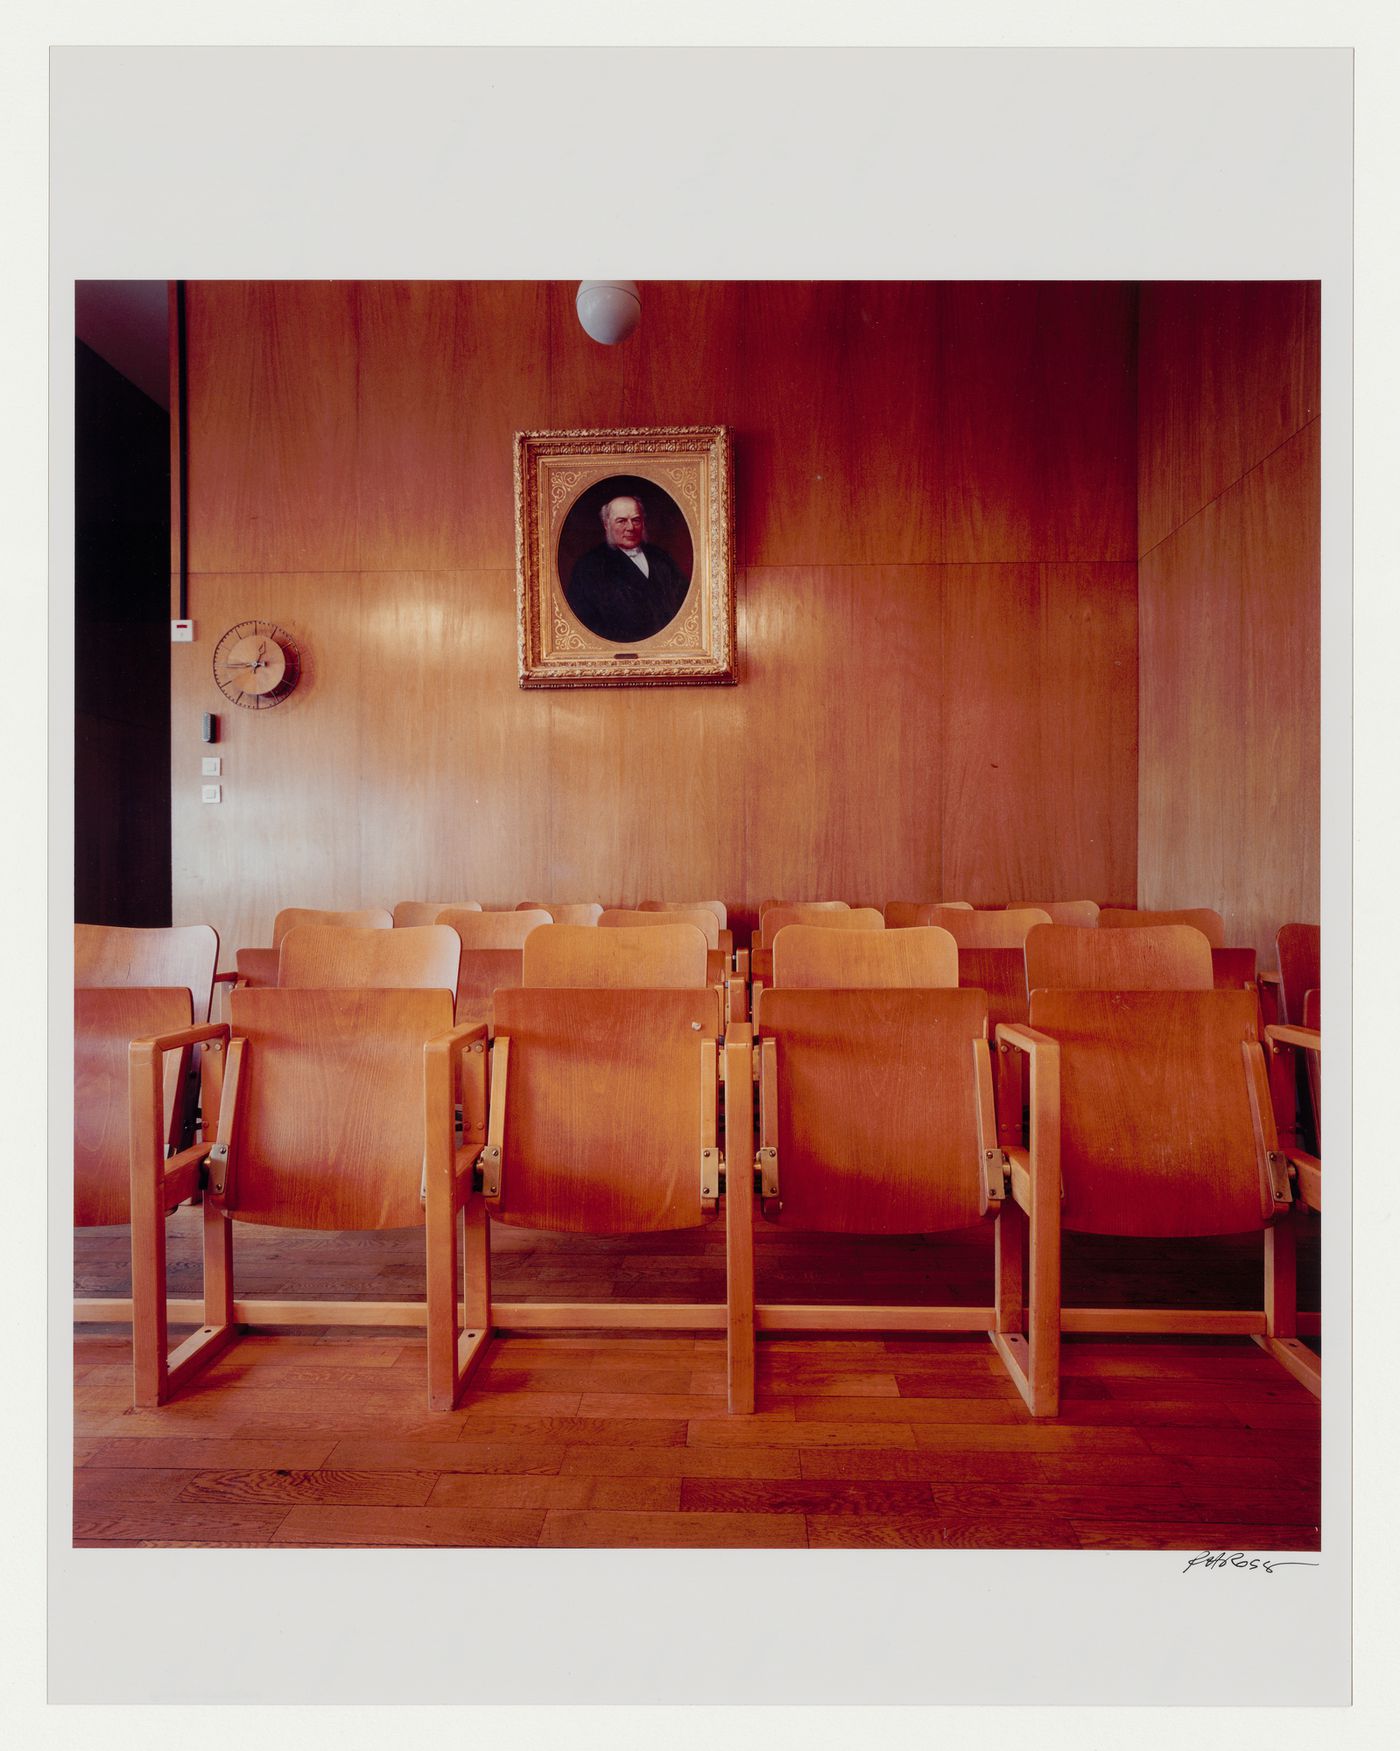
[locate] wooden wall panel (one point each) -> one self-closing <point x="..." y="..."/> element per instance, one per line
<point x="351" y="478"/>
<point x="1229" y="679"/>
<point x="838" y="447"/>
<point x="845" y="674"/>
<point x="1089" y="705"/>
<point x="1228" y="372"/>
<point x="272" y="427"/>
<point x="1279" y="875"/>
<point x="434" y="480"/>
<point x="454" y="762"/>
<point x="1038" y="732"/>
<point x="1037" y="422"/>
<point x="683" y="367"/>
<point x="287" y="832"/>
<point x="1191" y="718"/>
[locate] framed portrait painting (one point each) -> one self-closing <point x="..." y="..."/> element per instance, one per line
<point x="624" y="566"/>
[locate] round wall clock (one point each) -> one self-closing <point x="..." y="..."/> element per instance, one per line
<point x="256" y="664"/>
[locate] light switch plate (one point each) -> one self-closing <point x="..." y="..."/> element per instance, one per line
<point x="213" y="793"/>
<point x="182" y="632"/>
<point x="212" y="766"/>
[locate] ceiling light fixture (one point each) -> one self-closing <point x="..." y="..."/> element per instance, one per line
<point x="608" y="309"/>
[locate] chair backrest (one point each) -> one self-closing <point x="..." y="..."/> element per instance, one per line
<point x="1312" y="1009"/>
<point x="1299" y="965"/>
<point x="669" y="958"/>
<point x="602" y="1107"/>
<point x="1083" y="913"/>
<point x="1160" y="957"/>
<point x="808" y="958"/>
<point x="484" y="972"/>
<point x="369" y="918"/>
<point x="416" y="957"/>
<point x="874" y="1108"/>
<point x="766" y="906"/>
<point x="973" y="929"/>
<point x="1158" y="1134"/>
<point x="106" y="1019"/>
<point x="494" y="930"/>
<point x="413" y="912"/>
<point x="582" y="912"/>
<point x="1001" y="973"/>
<point x="777" y="918"/>
<point x="617" y="918"/>
<point x="258" y="966"/>
<point x="1235" y="969"/>
<point x="718" y="907"/>
<point x="329" y="1131"/>
<point x="105" y="955"/>
<point x="1202" y="918"/>
<point x="491" y="955"/>
<point x="904" y="914"/>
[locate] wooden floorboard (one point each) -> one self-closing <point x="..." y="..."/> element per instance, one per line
<point x="313" y="1436"/>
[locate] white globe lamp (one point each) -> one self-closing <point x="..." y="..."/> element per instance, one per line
<point x="608" y="309"/>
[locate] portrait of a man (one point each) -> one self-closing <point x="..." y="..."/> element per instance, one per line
<point x="625" y="587"/>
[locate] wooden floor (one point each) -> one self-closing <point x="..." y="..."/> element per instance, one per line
<point x="323" y="1437"/>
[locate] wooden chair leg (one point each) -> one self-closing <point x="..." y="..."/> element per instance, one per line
<point x="1010" y="1247"/>
<point x="1280" y="1337"/>
<point x="475" y="1334"/>
<point x="738" y="1216"/>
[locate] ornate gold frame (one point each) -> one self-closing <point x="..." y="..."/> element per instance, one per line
<point x="553" y="470"/>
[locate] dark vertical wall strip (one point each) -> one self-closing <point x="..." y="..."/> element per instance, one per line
<point x="182" y="434"/>
<point x="122" y="655"/>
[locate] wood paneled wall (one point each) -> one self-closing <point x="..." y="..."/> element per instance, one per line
<point x="936" y="541"/>
<point x="1229" y="603"/>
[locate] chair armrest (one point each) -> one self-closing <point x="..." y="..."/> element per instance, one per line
<point x="1302" y="1039"/>
<point x="1023" y="1038"/>
<point x="152" y="1046"/>
<point x="443" y="1085"/>
<point x="1034" y="1173"/>
<point x="738" y="1109"/>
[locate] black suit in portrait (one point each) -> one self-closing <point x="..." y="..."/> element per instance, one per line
<point x="608" y="593"/>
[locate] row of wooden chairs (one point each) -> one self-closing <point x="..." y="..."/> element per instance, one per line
<point x="597" y="1108"/>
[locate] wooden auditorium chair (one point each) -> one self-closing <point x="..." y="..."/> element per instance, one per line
<point x="106" y="955"/>
<point x="718" y="907"/>
<point x="367" y="918"/>
<point x="491" y="955"/>
<point x="578" y="912"/>
<point x="733" y="993"/>
<point x="107" y="1019"/>
<point x="808" y="958"/>
<point x="603" y="1119"/>
<point x="1162" y="957"/>
<point x="414" y="912"/>
<point x="415" y="957"/>
<point x="1283" y="1041"/>
<point x="818" y="917"/>
<point x="1166" y="1131"/>
<point x="876" y="1116"/>
<point x="672" y="958"/>
<point x="1300" y="1004"/>
<point x="1082" y="913"/>
<point x="1202" y="918"/>
<point x="320" y="1126"/>
<point x="991" y="958"/>
<point x="258" y="966"/>
<point x="903" y="914"/>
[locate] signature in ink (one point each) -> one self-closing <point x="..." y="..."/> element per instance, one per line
<point x="1236" y="1559"/>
